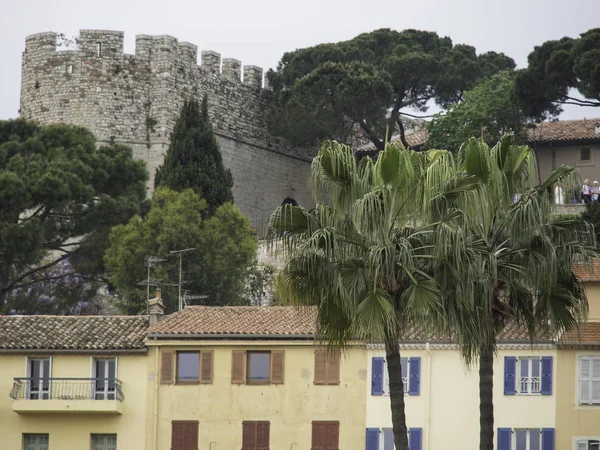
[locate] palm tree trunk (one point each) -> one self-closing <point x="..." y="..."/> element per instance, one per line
<point x="394" y="367"/>
<point x="486" y="397"/>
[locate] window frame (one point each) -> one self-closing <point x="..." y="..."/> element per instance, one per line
<point x="184" y="382"/>
<point x="46" y="392"/>
<point x="587" y="442"/>
<point x="250" y="381"/>
<point x="527" y="438"/>
<point x="26" y="435"/>
<point x="405" y="376"/>
<point x="592" y="378"/>
<point x="581" y="158"/>
<point x="530" y="382"/>
<point x="95" y="435"/>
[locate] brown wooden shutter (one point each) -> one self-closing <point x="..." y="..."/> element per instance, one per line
<point x="318" y="436"/>
<point x="166" y="369"/>
<point x="262" y="435"/>
<point x="332" y="431"/>
<point x="237" y="366"/>
<point x="320" y="367"/>
<point x="191" y="435"/>
<point x="248" y="435"/>
<point x="333" y="368"/>
<point x="277" y="366"/>
<point x="206" y="366"/>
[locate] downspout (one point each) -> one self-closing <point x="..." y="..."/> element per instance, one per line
<point x="428" y="407"/>
<point x="155" y="427"/>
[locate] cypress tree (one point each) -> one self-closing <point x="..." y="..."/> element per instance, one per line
<point x="193" y="159"/>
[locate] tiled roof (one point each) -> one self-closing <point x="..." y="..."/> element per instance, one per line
<point x="72" y="332"/>
<point x="587" y="271"/>
<point x="239" y="320"/>
<point x="417" y="138"/>
<point x="565" y="130"/>
<point x="587" y="334"/>
<point x="280" y="321"/>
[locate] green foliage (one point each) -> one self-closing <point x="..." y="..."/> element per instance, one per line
<point x="554" y="68"/>
<point x="60" y="195"/>
<point x="218" y="268"/>
<point x="490" y="108"/>
<point x="592" y="216"/>
<point x="193" y="159"/>
<point x="322" y="92"/>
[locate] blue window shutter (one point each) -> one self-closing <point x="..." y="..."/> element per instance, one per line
<point x="510" y="369"/>
<point x="377" y="376"/>
<point x="372" y="439"/>
<point x="504" y="438"/>
<point x="547" y="438"/>
<point x="415" y="438"/>
<point x="414" y="380"/>
<point x="546" y="375"/>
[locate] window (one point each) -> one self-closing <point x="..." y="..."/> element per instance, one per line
<point x="188" y="367"/>
<point x="184" y="435"/>
<point x="69" y="69"/>
<point x="257" y="367"/>
<point x="255" y="435"/>
<point x="529" y="375"/>
<point x="527" y="439"/>
<point x="99" y="49"/>
<point x="383" y="439"/>
<point x="411" y="376"/>
<point x="386" y="377"/>
<point x="35" y="442"/>
<point x="586" y="154"/>
<point x="105" y="378"/>
<point x="325" y="436"/>
<point x="588" y="445"/>
<point x="38" y="373"/>
<point x="589" y="380"/>
<point x="327" y="367"/>
<point x="104" y="442"/>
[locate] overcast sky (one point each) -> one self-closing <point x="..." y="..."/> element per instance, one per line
<point x="259" y="32"/>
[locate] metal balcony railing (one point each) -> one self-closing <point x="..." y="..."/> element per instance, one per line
<point x="67" y="389"/>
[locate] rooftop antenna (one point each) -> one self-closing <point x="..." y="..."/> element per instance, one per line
<point x="149" y="262"/>
<point x="180" y="253"/>
<point x="187" y="296"/>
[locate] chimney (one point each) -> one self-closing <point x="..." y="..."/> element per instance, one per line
<point x="156" y="309"/>
<point x="597" y="130"/>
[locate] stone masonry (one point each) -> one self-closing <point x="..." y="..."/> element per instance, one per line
<point x="135" y="100"/>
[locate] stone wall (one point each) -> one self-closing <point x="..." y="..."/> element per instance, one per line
<point x="135" y="100"/>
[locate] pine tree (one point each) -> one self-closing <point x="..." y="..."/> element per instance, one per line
<point x="193" y="159"/>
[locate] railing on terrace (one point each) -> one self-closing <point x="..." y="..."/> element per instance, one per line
<point x="67" y="389"/>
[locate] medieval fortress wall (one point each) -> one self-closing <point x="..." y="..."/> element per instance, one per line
<point x="135" y="100"/>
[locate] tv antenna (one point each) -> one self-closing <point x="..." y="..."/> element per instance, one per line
<point x="180" y="253"/>
<point x="149" y="262"/>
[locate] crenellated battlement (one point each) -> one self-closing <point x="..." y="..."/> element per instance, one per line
<point x="134" y="99"/>
<point x="108" y="44"/>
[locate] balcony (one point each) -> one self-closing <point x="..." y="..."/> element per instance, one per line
<point x="67" y="395"/>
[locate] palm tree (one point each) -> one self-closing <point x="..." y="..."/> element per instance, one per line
<point x="364" y="254"/>
<point x="520" y="257"/>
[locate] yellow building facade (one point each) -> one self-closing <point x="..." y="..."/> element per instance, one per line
<point x="251" y="377"/>
<point x="578" y="399"/>
<point x="72" y="383"/>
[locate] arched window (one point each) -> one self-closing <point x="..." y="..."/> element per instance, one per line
<point x="289" y="201"/>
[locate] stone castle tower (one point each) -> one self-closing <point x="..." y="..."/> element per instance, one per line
<point x="135" y="100"/>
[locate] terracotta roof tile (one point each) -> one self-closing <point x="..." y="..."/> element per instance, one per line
<point x="588" y="271"/>
<point x="242" y="320"/>
<point x="274" y="321"/>
<point x="564" y="130"/>
<point x="586" y="335"/>
<point x="72" y="332"/>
